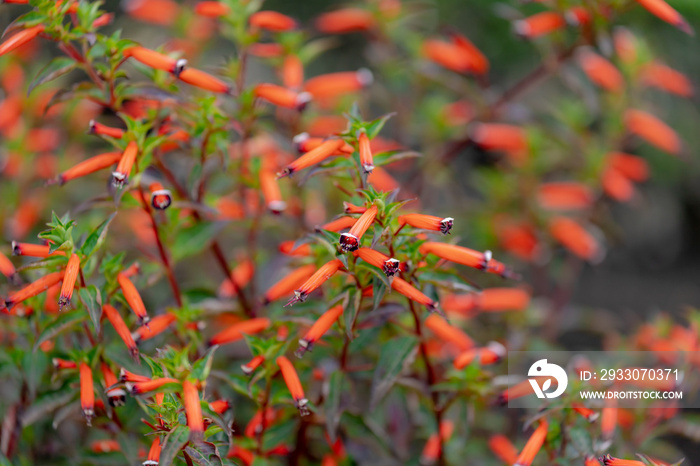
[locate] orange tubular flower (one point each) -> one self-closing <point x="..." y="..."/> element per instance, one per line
<point x="313" y="157"/>
<point x="339" y="224"/>
<point x="246" y="456"/>
<point x="325" y="272"/>
<point x="577" y="16"/>
<point x="608" y="420"/>
<point x="353" y="209"/>
<point x="292" y="72"/>
<point x="160" y="197"/>
<point x="122" y="330"/>
<point x="69" y="279"/>
<point x="616" y="185"/>
<point x="665" y="12"/>
<point x="145" y="386"/>
<point x="305" y="143"/>
<point x="102" y="130"/>
<point x="427" y="222"/>
<point x="587" y="413"/>
<point x="591" y="461"/>
<point x="271" y="191"/>
<point x="105" y="446"/>
<point x="600" y="71"/>
<point x="255" y="424"/>
<point x="345" y="20"/>
<point x="468" y="257"/>
<point x="291" y="379"/>
<point x="610" y="461"/>
<point x="33" y="289"/>
<point x="162" y="12"/>
<point x="220" y="406"/>
<point x="126" y="376"/>
<point x="533" y="445"/>
<point x="199" y="78"/>
<point x="519" y="390"/>
<point x="667" y="79"/>
<point x="575" y="238"/>
<point x="431" y="450"/>
<point x="287" y="248"/>
<point x="632" y="167"/>
<point x="59" y="363"/>
<point x="253" y="364"/>
<point x="539" y="25"/>
<point x="236" y="331"/>
<point x="654" y="131"/>
<point x="34" y="250"/>
<point x="389" y="265"/>
<point x="126" y="162"/>
<point x="211" y="9"/>
<point x="281" y="96"/>
<point x="116" y="396"/>
<point x="350" y="241"/>
<point x="91" y="165"/>
<point x="564" y="196"/>
<point x="87" y="392"/>
<point x="7" y="268"/>
<point x="319" y="327"/>
<point x="365" y="153"/>
<point x="155" y="59"/>
<point x="155" y="327"/>
<point x="489" y="354"/>
<point x="454" y="56"/>
<point x="503" y="448"/>
<point x="272" y="21"/>
<point x="20" y="38"/>
<point x="413" y="293"/>
<point x="448" y="333"/>
<point x="103" y="20"/>
<point x="625" y="45"/>
<point x="133" y="298"/>
<point x="289" y="283"/>
<point x="153" y="457"/>
<point x="478" y="63"/>
<point x="193" y="409"/>
<point x="500" y="137"/>
<point x="335" y="84"/>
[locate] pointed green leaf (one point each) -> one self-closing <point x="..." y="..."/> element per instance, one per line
<point x="56" y="68"/>
<point x="96" y="238"/>
<point x="92" y="300"/>
<point x="63" y="322"/>
<point x="202" y="367"/>
<point x="332" y="403"/>
<point x="174" y="441"/>
<point x="394" y="356"/>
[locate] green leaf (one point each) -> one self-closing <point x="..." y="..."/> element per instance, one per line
<point x="62" y="323"/>
<point x="351" y="306"/>
<point x="378" y="291"/>
<point x="92" y="300"/>
<point x="206" y="454"/>
<point x="56" y="68"/>
<point x="96" y="238"/>
<point x="202" y="367"/>
<point x="332" y="403"/>
<point x="393" y="357"/>
<point x="375" y="126"/>
<point x="174" y="441"/>
<point x="194" y="239"/>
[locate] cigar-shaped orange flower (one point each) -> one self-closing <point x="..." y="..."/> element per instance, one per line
<point x="281" y="96"/>
<point x="599" y="70"/>
<point x="608" y="419"/>
<point x="652" y="130"/>
<point x="105" y="446"/>
<point x="667" y="79"/>
<point x="220" y="406"/>
<point x="345" y="20"/>
<point x="271" y="191"/>
<point x="431" y="450"/>
<point x="448" y="55"/>
<point x="203" y="80"/>
<point x="155" y="327"/>
<point x="34" y="250"/>
<point x="625" y="45"/>
<point x="539" y="24"/>
<point x="332" y="85"/>
<point x="59" y="363"/>
<point x="266" y="50"/>
<point x="211" y="9"/>
<point x="289" y="283"/>
<point x="317" y="155"/>
<point x="578" y="16"/>
<point x="103" y="130"/>
<point x="21" y="38"/>
<point x="162" y="12"/>
<point x="153" y="458"/>
<point x="469" y="257"/>
<point x="7" y="268"/>
<point x="103" y="20"/>
<point x="366" y="159"/>
<point x="292" y="72"/>
<point x="319" y="277"/>
<point x="236" y="331"/>
<point x="116" y="396"/>
<point x="499" y="137"/>
<point x="414" y="294"/>
<point x="448" y="333"/>
<point x="492" y="353"/>
<point x="133" y="298"/>
<point x="291" y="379"/>
<point x="590" y="460"/>
<point x="665" y="12"/>
<point x="339" y="224"/>
<point x="563" y="195"/>
<point x="193" y="409"/>
<point x="611" y="461"/>
<point x="478" y="63"/>
<point x="246" y="456"/>
<point x="305" y="143"/>
<point x="160" y="197"/>
<point x="272" y="21"/>
<point x="126" y="376"/>
<point x="287" y="248"/>
<point x="533" y="445"/>
<point x="255" y="424"/>
<point x="488" y="300"/>
<point x="633" y="167"/>
<point x="69" y="278"/>
<point x="121" y="328"/>
<point x="126" y="162"/>
<point x="503" y="448"/>
<point x="616" y="185"/>
<point x="587" y="413"/>
<point x="350" y="241"/>
<point x="575" y="238"/>
<point x="389" y="265"/>
<point x="155" y="60"/>
<point x="353" y="209"/>
<point x="318" y="329"/>
<point x="427" y="222"/>
<point x="149" y="385"/>
<point x="33" y="289"/>
<point x="249" y="367"/>
<point x="89" y="166"/>
<point x="87" y="392"/>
